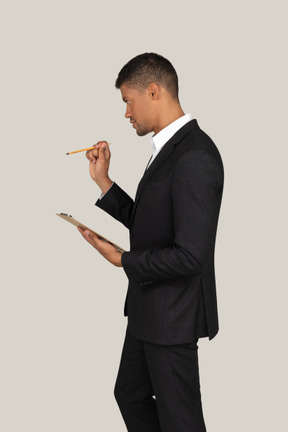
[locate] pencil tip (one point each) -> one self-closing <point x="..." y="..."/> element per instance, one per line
<point x="67" y="153"/>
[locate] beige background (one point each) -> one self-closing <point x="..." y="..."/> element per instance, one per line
<point x="59" y="61"/>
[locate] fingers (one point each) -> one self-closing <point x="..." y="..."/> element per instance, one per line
<point x="107" y="250"/>
<point x="93" y="155"/>
<point x="92" y="238"/>
<point x="89" y="236"/>
<point x="104" y="152"/>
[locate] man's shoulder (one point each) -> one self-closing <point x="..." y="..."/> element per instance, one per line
<point x="196" y="140"/>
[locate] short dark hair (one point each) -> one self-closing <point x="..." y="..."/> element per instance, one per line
<point x="146" y="68"/>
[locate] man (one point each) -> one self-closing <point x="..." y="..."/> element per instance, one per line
<point x="171" y="298"/>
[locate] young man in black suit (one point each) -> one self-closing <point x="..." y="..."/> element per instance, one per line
<point x="171" y="298"/>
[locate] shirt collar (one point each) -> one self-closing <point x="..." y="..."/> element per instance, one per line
<point x="165" y="134"/>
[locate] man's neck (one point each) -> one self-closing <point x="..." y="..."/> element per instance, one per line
<point x="167" y="117"/>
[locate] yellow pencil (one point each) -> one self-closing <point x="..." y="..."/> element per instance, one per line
<point x="86" y="149"/>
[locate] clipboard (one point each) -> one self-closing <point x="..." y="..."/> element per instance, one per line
<point x="76" y="223"/>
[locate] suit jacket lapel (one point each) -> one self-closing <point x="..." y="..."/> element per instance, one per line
<point x="166" y="151"/>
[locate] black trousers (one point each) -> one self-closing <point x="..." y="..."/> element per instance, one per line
<point x="157" y="387"/>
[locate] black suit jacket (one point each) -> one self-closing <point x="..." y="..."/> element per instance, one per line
<point x="171" y="296"/>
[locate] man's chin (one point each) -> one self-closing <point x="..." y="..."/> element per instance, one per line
<point x="141" y="131"/>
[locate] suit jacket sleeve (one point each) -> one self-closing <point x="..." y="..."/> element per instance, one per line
<point x="196" y="191"/>
<point x="118" y="204"/>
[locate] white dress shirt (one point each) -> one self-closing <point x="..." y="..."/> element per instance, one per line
<point x="159" y="140"/>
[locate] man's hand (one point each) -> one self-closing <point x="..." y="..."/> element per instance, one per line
<point x="105" y="249"/>
<point x="99" y="161"/>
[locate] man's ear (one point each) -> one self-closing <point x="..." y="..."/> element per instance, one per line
<point x="153" y="90"/>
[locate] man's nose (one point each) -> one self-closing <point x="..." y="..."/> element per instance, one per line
<point x="127" y="113"/>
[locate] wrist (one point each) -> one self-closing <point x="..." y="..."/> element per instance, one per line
<point x="118" y="262"/>
<point x="105" y="185"/>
